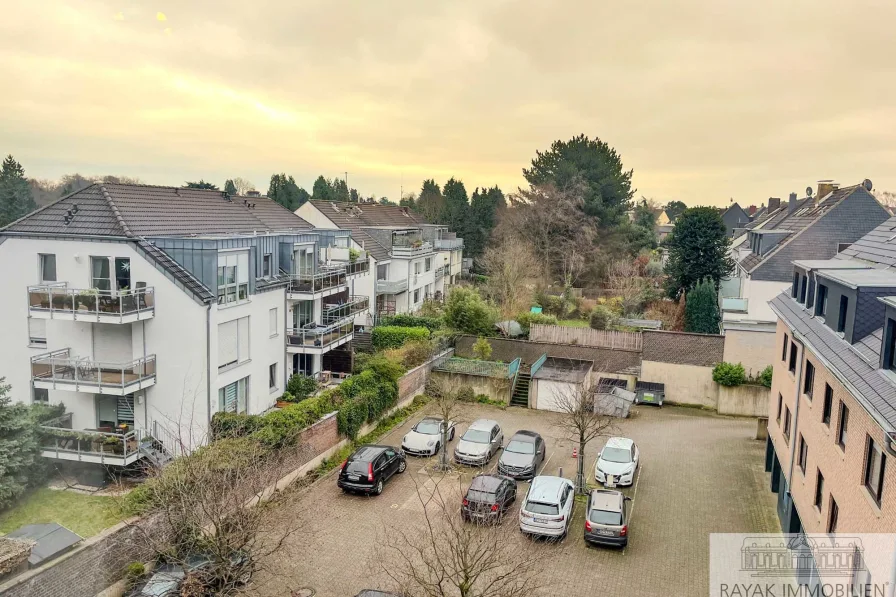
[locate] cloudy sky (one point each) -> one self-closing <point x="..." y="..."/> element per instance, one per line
<point x="705" y="99"/>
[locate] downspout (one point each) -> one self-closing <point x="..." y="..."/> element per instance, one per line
<point x="208" y="365"/>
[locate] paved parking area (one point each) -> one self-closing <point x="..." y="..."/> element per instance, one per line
<point x="700" y="474"/>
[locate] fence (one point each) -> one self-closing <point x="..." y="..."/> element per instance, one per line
<point x="558" y="334"/>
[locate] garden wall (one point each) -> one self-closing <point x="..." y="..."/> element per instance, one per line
<point x="495" y="388"/>
<point x="606" y="360"/>
<point x="748" y="400"/>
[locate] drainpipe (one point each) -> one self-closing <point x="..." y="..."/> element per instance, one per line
<point x="208" y="366"/>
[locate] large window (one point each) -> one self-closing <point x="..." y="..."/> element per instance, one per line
<point x="428" y="263"/>
<point x="233" y="277"/>
<point x="272" y="322"/>
<point x="303" y="314"/>
<point x="233" y="342"/>
<point x="833" y="516"/>
<point x="267" y="262"/>
<point x="784" y="349"/>
<point x="786" y="424"/>
<point x="416" y="296"/>
<point x="809" y="379"/>
<point x="843" y="425"/>
<point x="41" y="395"/>
<point x="100" y="273"/>
<point x="821" y="303"/>
<point x="828" y="405"/>
<point x="47" y="267"/>
<point x="792" y="365"/>
<point x="232" y="397"/>
<point x="780" y="405"/>
<point x="875" y="465"/>
<point x="803" y="454"/>
<point x="819" y="489"/>
<point x="841" y="317"/>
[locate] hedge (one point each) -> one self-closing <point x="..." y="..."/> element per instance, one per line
<point x="413" y="321"/>
<point x="391" y="336"/>
<point x="729" y="374"/>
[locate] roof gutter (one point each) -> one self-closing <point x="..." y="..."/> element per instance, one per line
<point x="67" y="235"/>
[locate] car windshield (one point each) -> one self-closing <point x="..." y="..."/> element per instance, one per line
<point x="542" y="508"/>
<point x="605" y="517"/>
<point x="616" y="455"/>
<point x="477" y="436"/>
<point x="520" y="447"/>
<point x="428" y="427"/>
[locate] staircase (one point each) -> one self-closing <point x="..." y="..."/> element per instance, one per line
<point x="155" y="453"/>
<point x="362" y="342"/>
<point x="520" y="395"/>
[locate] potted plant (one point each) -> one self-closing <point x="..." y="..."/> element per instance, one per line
<point x="87" y="300"/>
<point x="285" y="400"/>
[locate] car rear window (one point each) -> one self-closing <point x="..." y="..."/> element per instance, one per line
<point x="357" y="467"/>
<point x="542" y="508"/>
<point x="605" y="517"/>
<point x="480" y="496"/>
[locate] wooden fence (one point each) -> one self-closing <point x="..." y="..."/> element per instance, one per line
<point x="559" y="334"/>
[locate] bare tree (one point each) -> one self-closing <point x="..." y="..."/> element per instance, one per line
<point x="623" y="278"/>
<point x="513" y="269"/>
<point x="585" y="416"/>
<point x="445" y="396"/>
<point x="242" y="185"/>
<point x="443" y="556"/>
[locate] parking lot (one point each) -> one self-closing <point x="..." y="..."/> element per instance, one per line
<point x="699" y="474"/>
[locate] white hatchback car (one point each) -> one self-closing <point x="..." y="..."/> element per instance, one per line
<point x="547" y="507"/>
<point x="617" y="463"/>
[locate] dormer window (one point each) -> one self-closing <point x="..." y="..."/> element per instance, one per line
<point x="796" y="285"/>
<point x="890" y="345"/>
<point x="841" y="317"/>
<point x="821" y="303"/>
<point x="804" y="283"/>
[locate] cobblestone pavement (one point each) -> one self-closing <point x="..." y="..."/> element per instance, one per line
<point x="700" y="474"/>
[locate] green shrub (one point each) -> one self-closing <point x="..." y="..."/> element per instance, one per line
<point x="413" y="321"/>
<point x="601" y="318"/>
<point x="133" y="573"/>
<point x="351" y="418"/>
<point x="390" y="336"/>
<point x="482" y="349"/>
<point x="301" y="386"/>
<point x="729" y="374"/>
<point x="551" y="304"/>
<point x="226" y="424"/>
<point x="528" y="318"/>
<point x="466" y="394"/>
<point x="416" y="352"/>
<point x="467" y="312"/>
<point x="765" y="377"/>
<point x="701" y="309"/>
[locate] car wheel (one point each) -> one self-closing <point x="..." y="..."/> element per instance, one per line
<point x="378" y="488"/>
<point x="438" y="448"/>
<point x="402" y="466"/>
<point x="451" y="437"/>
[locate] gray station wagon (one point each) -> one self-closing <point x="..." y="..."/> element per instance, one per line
<point x="606" y="520"/>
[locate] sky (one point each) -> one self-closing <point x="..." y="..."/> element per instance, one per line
<point x="706" y="100"/>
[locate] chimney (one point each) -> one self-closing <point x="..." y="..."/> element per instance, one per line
<point x="791" y="203"/>
<point x="751" y="210"/>
<point x="825" y="187"/>
<point x="774" y="203"/>
<point x="253" y="193"/>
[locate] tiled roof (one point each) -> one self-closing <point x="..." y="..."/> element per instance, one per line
<point x="877" y="248"/>
<point x="355" y="217"/>
<point x="855" y="365"/>
<point x="682" y="348"/>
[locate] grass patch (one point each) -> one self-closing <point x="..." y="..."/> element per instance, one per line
<point x="85" y="515"/>
<point x="573" y="323"/>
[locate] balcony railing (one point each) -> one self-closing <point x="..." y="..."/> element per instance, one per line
<point x="735" y="305"/>
<point x="411" y="249"/>
<point x="333" y="312"/>
<point x="319" y="337"/>
<point x="58" y="440"/>
<point x="331" y="277"/>
<point x="58" y="370"/>
<point x="449" y="244"/>
<point x="358" y="267"/>
<point x="91" y="304"/>
<point x="391" y="286"/>
<point x="440" y="272"/>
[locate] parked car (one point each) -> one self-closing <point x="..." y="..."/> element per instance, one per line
<point x="479" y="443"/>
<point x="375" y="593"/>
<point x="370" y="467"/>
<point x="488" y="498"/>
<point x="425" y="438"/>
<point x="522" y="455"/>
<point x="168" y="577"/>
<point x="606" y="518"/>
<point x="617" y="463"/>
<point x="547" y="507"/>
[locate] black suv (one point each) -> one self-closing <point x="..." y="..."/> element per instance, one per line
<point x="369" y="467"/>
<point x="488" y="498"/>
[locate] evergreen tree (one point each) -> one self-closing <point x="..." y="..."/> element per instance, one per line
<point x="16" y="199"/>
<point x="481" y="219"/>
<point x="202" y="185"/>
<point x="322" y="191"/>
<point x="284" y="190"/>
<point x="430" y="204"/>
<point x="339" y="190"/>
<point x="455" y="214"/>
<point x="18" y="447"/>
<point x="230" y="187"/>
<point x="701" y="311"/>
<point x="698" y="249"/>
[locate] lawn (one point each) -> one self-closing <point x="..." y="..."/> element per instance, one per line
<point x="574" y="323"/>
<point x="86" y="515"/>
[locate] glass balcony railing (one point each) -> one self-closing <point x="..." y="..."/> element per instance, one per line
<point x="64" y="372"/>
<point x="325" y="279"/>
<point x="346" y="307"/>
<point x="410" y="248"/>
<point x="734" y="305"/>
<point x="449" y="244"/>
<point x="358" y="267"/>
<point x="319" y="336"/>
<point x="58" y="440"/>
<point x="98" y="305"/>
<point x="391" y="286"/>
<point x="440" y="272"/>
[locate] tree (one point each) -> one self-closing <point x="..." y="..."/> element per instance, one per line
<point x="701" y="311"/>
<point x="448" y="406"/>
<point x="430" y="204"/>
<point x="645" y="214"/>
<point x="201" y="185"/>
<point x="18" y="447"/>
<point x="242" y="185"/>
<point x="385" y="201"/>
<point x="698" y="249"/>
<point x="409" y="200"/>
<point x="339" y="190"/>
<point x="229" y="187"/>
<point x="457" y="207"/>
<point x="466" y="312"/>
<point x="625" y="281"/>
<point x="284" y="190"/>
<point x="481" y="219"/>
<point x="16" y="199"/>
<point x="321" y="190"/>
<point x="675" y="209"/>
<point x="482" y="349"/>
<point x="607" y="187"/>
<point x="513" y="271"/>
<point x="443" y="556"/>
<point x="584" y="417"/>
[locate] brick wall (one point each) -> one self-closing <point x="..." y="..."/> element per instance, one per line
<point x="683" y="348"/>
<point x="843" y="469"/>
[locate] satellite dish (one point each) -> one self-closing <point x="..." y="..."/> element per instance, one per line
<point x="867" y="184"/>
<point x="808" y="191"/>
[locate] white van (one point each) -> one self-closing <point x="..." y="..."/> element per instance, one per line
<point x="547" y="508"/>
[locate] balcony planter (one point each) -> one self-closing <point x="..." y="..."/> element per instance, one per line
<point x="62" y="302"/>
<point x="87" y="300"/>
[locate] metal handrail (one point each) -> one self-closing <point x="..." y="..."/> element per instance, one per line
<point x="56" y="298"/>
<point x="358" y="267"/>
<point x="514" y="367"/>
<point x="537" y="364"/>
<point x="320" y="337"/>
<point x="440" y="272"/>
<point x="391" y="286"/>
<point x="330" y="277"/>
<point x="354" y="305"/>
<point x="50" y="367"/>
<point x="85" y="441"/>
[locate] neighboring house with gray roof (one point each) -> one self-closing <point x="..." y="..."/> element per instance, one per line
<point x="413" y="259"/>
<point x="149" y="308"/>
<point x="734" y="217"/>
<point x="808" y="228"/>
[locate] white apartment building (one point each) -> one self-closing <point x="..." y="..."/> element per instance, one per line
<point x="145" y="310"/>
<point x="413" y="260"/>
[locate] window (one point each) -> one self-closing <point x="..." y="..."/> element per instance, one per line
<point x="803" y="454"/>
<point x="843" y="425"/>
<point x="828" y="405"/>
<point x="122" y="273"/>
<point x="786" y="424"/>
<point x="232" y="397"/>
<point x="819" y="489"/>
<point x="303" y="314"/>
<point x="875" y="464"/>
<point x="833" y="516"/>
<point x="428" y="264"/>
<point x="272" y="322"/>
<point x="272" y="377"/>
<point x="233" y="342"/>
<point x="841" y="318"/>
<point x="266" y="265"/>
<point x="100" y="273"/>
<point x="47" y="267"/>
<point x="37" y="333"/>
<point x="890" y="346"/>
<point x="809" y="379"/>
<point x="233" y="277"/>
<point x="417" y="296"/>
<point x="780" y="404"/>
<point x="792" y="365"/>
<point x="382" y="271"/>
<point x="794" y="289"/>
<point x="416" y="268"/>
<point x="784" y="350"/>
<point x="821" y="303"/>
<point x="803" y="286"/>
<point x="41" y="395"/>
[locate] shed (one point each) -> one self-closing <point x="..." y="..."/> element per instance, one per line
<point x="556" y="378"/>
<point x="51" y="540"/>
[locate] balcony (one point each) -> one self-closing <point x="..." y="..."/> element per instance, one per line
<point x="58" y="370"/>
<point x="58" y="440"/>
<point x="318" y="339"/>
<point x="440" y="272"/>
<point x="408" y="249"/>
<point x="92" y="305"/>
<point x="391" y="286"/>
<point x="334" y="312"/>
<point x="358" y="267"/>
<point x="449" y="244"/>
<point x="734" y="305"/>
<point x="329" y="280"/>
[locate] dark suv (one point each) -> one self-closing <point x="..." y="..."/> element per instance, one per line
<point x="488" y="498"/>
<point x="369" y="467"/>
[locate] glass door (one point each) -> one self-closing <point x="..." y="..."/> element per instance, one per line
<point x="304" y="259"/>
<point x="302" y="314"/>
<point x="122" y="273"/>
<point x="100" y="274"/>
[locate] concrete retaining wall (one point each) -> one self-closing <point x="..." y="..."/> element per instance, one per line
<point x="747" y="400"/>
<point x="685" y="384"/>
<point x="494" y="388"/>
